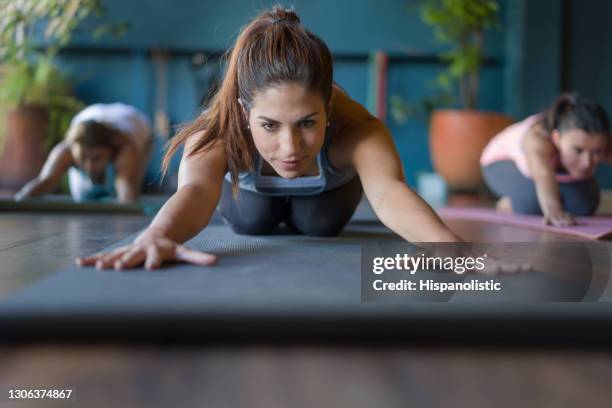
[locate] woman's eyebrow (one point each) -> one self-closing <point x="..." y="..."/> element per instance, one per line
<point x="276" y="121"/>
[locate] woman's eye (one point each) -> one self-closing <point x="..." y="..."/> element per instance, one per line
<point x="307" y="123"/>
<point x="577" y="150"/>
<point x="268" y="126"/>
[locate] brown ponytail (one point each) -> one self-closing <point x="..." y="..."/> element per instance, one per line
<point x="571" y="111"/>
<point x="271" y="50"/>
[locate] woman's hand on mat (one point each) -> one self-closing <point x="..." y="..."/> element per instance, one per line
<point x="558" y="218"/>
<point x="474" y="259"/>
<point x="150" y="249"/>
<point x="497" y="266"/>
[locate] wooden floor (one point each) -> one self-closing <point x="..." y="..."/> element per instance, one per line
<point x="32" y="246"/>
<point x="120" y="376"/>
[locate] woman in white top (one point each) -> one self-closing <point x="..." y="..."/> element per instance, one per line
<point x="105" y="152"/>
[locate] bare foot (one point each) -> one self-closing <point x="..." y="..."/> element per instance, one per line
<point x="504" y="205"/>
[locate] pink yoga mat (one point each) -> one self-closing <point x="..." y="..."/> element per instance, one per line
<point x="588" y="227"/>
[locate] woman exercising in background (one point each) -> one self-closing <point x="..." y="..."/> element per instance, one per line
<point x="105" y="152"/>
<point x="546" y="163"/>
<point x="279" y="143"/>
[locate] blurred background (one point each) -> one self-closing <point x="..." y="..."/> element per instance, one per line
<point x="163" y="57"/>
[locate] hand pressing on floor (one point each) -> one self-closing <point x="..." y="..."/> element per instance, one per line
<point x="466" y="258"/>
<point x="497" y="266"/>
<point x="151" y="249"/>
<point x="559" y="218"/>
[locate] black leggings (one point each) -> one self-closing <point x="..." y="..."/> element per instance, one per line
<point x="505" y="179"/>
<point x="322" y="215"/>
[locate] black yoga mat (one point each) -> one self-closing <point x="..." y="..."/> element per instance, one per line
<point x="65" y="204"/>
<point x="286" y="287"/>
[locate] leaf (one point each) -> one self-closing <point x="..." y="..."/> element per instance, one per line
<point x="458" y="24"/>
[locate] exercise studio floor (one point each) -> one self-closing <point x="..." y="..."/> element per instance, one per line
<point x="244" y="362"/>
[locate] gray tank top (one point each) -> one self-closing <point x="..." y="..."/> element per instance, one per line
<point x="328" y="178"/>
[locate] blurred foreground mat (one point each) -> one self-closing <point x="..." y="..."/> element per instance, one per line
<point x="290" y="287"/>
<point x="597" y="227"/>
<point x="65" y="204"/>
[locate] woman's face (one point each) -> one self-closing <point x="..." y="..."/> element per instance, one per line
<point x="93" y="160"/>
<point x="580" y="151"/>
<point x="288" y="126"/>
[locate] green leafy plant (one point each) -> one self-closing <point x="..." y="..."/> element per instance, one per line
<point x="459" y="25"/>
<point x="32" y="32"/>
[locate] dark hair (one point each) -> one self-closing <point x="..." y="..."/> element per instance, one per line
<point x="91" y="133"/>
<point x="571" y="111"/>
<point x="271" y="50"/>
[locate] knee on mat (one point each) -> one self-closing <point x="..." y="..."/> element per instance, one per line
<point x="526" y="206"/>
<point x="583" y="208"/>
<point x="254" y="227"/>
<point x="319" y="228"/>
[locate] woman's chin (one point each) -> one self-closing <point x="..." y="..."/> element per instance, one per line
<point x="581" y="174"/>
<point x="288" y="174"/>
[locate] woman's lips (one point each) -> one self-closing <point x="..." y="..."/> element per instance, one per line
<point x="290" y="164"/>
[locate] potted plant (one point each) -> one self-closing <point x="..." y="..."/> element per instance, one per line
<point x="458" y="136"/>
<point x="35" y="96"/>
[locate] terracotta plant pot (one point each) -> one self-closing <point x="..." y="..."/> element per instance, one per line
<point x="23" y="153"/>
<point x="457" y="138"/>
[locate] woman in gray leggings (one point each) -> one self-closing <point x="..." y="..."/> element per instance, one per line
<point x="279" y="142"/>
<point x="545" y="164"/>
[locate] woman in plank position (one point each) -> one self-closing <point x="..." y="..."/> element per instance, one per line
<point x="545" y="164"/>
<point x="105" y="152"/>
<point x="279" y="143"/>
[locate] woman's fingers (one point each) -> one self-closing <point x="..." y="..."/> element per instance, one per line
<point x="106" y="261"/>
<point x="560" y="220"/>
<point x="495" y="266"/>
<point x="154" y="259"/>
<point x="87" y="260"/>
<point x="134" y="257"/>
<point x="192" y="256"/>
<point x="152" y="255"/>
<point x="92" y="259"/>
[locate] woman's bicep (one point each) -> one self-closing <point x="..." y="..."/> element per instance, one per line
<point x="538" y="151"/>
<point x="375" y="159"/>
<point x="205" y="169"/>
<point x="58" y="162"/>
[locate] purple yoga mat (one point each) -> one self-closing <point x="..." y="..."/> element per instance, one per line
<point x="588" y="227"/>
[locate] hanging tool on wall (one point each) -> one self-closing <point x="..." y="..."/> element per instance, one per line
<point x="205" y="77"/>
<point x="161" y="120"/>
<point x="377" y="84"/>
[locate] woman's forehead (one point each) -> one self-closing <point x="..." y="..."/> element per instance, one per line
<point x="582" y="137"/>
<point x="286" y="100"/>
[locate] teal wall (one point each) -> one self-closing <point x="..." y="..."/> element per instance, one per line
<point x="348" y="27"/>
<point x="545" y="46"/>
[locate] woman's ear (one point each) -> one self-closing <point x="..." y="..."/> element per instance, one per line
<point x="555" y="137"/>
<point x="328" y="110"/>
<point x="244" y="110"/>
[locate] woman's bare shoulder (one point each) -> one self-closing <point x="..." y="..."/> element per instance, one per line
<point x="349" y="120"/>
<point x="346" y="111"/>
<point x="192" y="146"/>
<point x="537" y="138"/>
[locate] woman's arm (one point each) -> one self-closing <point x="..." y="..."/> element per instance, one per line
<point x="398" y="207"/>
<point x="127" y="167"/>
<point x="58" y="162"/>
<point x="539" y="149"/>
<point x="199" y="189"/>
<point x="185" y="214"/>
<point x="608" y="158"/>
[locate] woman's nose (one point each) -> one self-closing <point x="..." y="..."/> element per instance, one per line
<point x="587" y="160"/>
<point x="290" y="143"/>
<point x="87" y="166"/>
